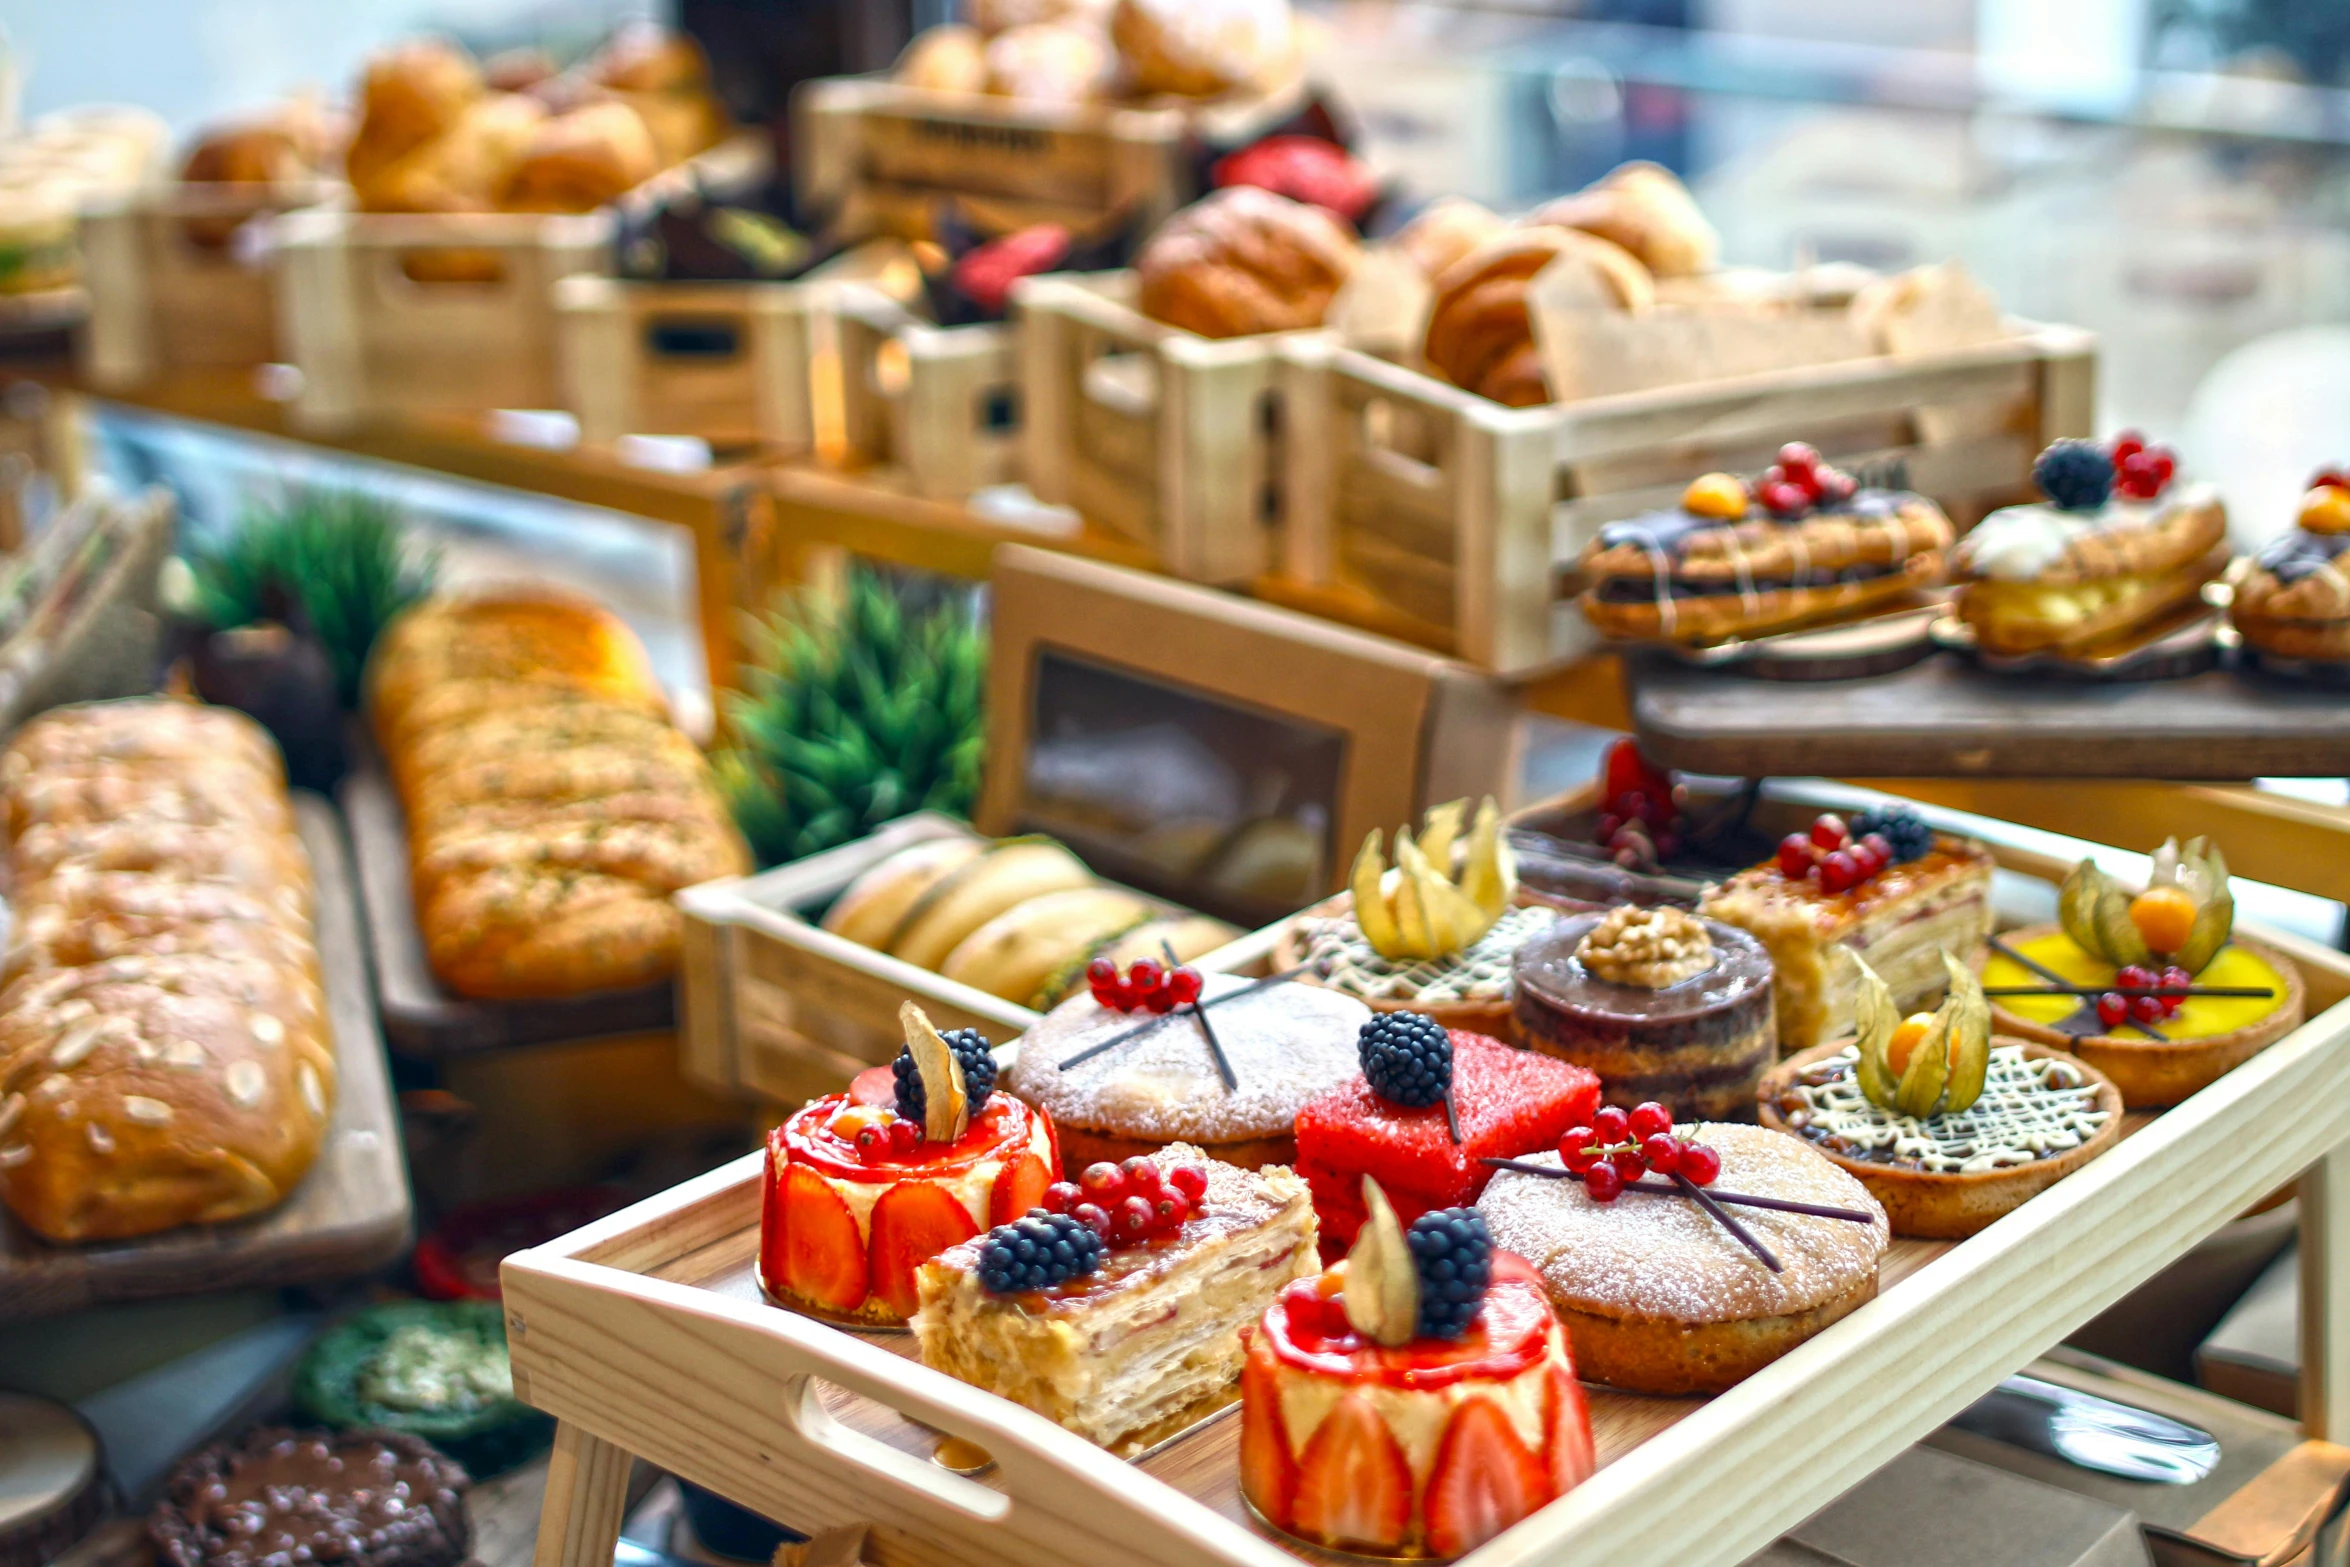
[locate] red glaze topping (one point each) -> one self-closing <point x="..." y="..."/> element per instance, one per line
<point x="808" y="1135"/>
<point x="1308" y="1330"/>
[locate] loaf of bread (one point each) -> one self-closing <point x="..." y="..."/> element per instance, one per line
<point x="576" y="162"/>
<point x="412" y="93"/>
<point x="1244" y="261"/>
<point x="1480" y="328"/>
<point x="164" y="1051"/>
<point x="552" y="807"/>
<point x="1199" y="48"/>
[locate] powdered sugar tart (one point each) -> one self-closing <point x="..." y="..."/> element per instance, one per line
<point x="2293" y="598"/>
<point x="1287" y="1043"/>
<point x="1802" y="543"/>
<point x="2115" y="547"/>
<point x="1659" y="1298"/>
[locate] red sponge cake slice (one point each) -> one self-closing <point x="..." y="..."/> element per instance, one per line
<point x="1511" y="1103"/>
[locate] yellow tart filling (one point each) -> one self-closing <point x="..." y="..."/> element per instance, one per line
<point x="2201" y="1017"/>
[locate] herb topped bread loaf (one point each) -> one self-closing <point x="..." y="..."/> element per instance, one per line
<point x="164" y="1052"/>
<point x="552" y="807"/>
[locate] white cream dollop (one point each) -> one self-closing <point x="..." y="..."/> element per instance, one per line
<point x="2022" y="543"/>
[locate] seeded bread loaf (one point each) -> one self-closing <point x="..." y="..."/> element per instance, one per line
<point x="552" y="807"/>
<point x="164" y="1053"/>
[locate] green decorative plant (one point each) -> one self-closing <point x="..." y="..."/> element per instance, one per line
<point x="340" y="556"/>
<point x="856" y="709"/>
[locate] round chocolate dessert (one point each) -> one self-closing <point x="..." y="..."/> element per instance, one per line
<point x="279" y="1497"/>
<point x="1662" y="1005"/>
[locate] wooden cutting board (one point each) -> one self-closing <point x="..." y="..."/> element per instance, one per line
<point x="351" y="1214"/>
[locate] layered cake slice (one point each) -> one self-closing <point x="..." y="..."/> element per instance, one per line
<point x="1117" y="1307"/>
<point x="1415" y="1402"/>
<point x="1885" y="888"/>
<point x="1393" y="1121"/>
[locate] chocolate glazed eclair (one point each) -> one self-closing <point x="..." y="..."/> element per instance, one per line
<point x="1691" y="1029"/>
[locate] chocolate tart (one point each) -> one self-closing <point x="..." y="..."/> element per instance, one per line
<point x="2077" y="1120"/>
<point x="2210" y="1036"/>
<point x="1699" y="1048"/>
<point x="1469" y="991"/>
<point x="355" y="1498"/>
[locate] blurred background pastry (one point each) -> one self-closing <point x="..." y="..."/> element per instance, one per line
<point x="412" y="92"/>
<point x="1646" y="209"/>
<point x="952" y="58"/>
<point x="1051" y="62"/>
<point x="1444" y="231"/>
<point x="1480" y="332"/>
<point x="1243" y="261"/>
<point x="577" y="162"/>
<point x="996" y="16"/>
<point x="1199" y="48"/>
<point x="2293" y="598"/>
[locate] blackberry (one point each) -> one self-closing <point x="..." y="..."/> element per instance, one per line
<point x="1452" y="1251"/>
<point x="1037" y="1253"/>
<point x="972" y="1054"/>
<point x="2075" y="475"/>
<point x="1407" y="1057"/>
<point x="1900" y="826"/>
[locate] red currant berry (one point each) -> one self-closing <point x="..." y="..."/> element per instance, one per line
<point x="1190" y="1180"/>
<point x="1798" y="457"/>
<point x="1169" y="1211"/>
<point x="1132" y="1218"/>
<point x="1104" y="1182"/>
<point x="1575" y="1146"/>
<point x="1094" y="1217"/>
<point x="1100" y="972"/>
<point x="2330" y="478"/>
<point x="2113" y="1010"/>
<point x="2126" y="445"/>
<point x="1603" y="1183"/>
<point x="2146" y="1009"/>
<point x="1185" y="985"/>
<point x="1700" y="1164"/>
<point x="1838" y="873"/>
<point x="1144" y="976"/>
<point x="1141" y="1176"/>
<point x="2134" y="977"/>
<point x="1784" y="498"/>
<point x="1829" y="832"/>
<point x="1837" y="486"/>
<point x="1118" y="996"/>
<point x="1610" y="1125"/>
<point x="1160" y="1000"/>
<point x="1649" y="1119"/>
<point x="1864" y="861"/>
<point x="1663" y="1153"/>
<point x="1880" y="846"/>
<point x="1063" y="1197"/>
<point x="904" y="1136"/>
<point x="1795" y="856"/>
<point x="1629" y="1164"/>
<point x="872" y="1144"/>
<point x="2176" y="978"/>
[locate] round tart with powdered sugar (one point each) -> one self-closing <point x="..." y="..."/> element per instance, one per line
<point x="1287" y="1045"/>
<point x="1658" y="1297"/>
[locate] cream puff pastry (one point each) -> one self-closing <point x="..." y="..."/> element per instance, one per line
<point x="2293" y="600"/>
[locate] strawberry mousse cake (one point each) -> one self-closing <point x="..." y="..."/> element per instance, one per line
<point x="865" y="1187"/>
<point x="1392" y="1119"/>
<point x="1414" y="1402"/>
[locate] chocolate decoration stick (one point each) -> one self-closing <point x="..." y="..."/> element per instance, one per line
<point x="2054" y="978"/>
<point x="1215" y="1046"/>
<point x="1139" y="1029"/>
<point x="1452" y="1117"/>
<point x="1697" y="1194"/>
<point x="1735" y="1199"/>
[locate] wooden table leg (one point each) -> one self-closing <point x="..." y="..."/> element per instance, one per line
<point x="2325" y="1297"/>
<point x="587" y="1492"/>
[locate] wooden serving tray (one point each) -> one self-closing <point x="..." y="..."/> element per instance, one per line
<point x="1945" y="719"/>
<point x="644" y="1334"/>
<point x="350" y="1214"/>
<point x="420" y="1018"/>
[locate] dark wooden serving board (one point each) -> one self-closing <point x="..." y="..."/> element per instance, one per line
<point x="1946" y="719"/>
<point x="351" y="1213"/>
<point x="420" y="1018"/>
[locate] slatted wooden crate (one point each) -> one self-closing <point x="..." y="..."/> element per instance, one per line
<point x="645" y="1335"/>
<point x="729" y="362"/>
<point x="1459" y="519"/>
<point x="937" y="406"/>
<point x="880" y="156"/>
<point x="179" y="277"/>
<point x="1159" y="434"/>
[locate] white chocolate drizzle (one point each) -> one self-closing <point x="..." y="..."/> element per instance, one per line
<point x="2032" y="1108"/>
<point x="1344" y="960"/>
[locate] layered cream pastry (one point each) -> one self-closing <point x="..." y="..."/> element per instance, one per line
<point x="2293" y="600"/>
<point x="2117" y="546"/>
<point x="1148" y="1335"/>
<point x="1896" y="903"/>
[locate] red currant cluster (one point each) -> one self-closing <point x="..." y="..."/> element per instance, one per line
<point x="1640" y="822"/>
<point x="2115" y="1009"/>
<point x="1145" y="986"/>
<point x="1799" y="481"/>
<point x="1829" y="855"/>
<point x="1126" y="1204"/>
<point x="876" y="1132"/>
<point x="2139" y="470"/>
<point x="1617" y="1148"/>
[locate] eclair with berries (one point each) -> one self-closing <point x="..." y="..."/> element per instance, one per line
<point x="2117" y="546"/>
<point x="1804" y="543"/>
<point x="2293" y="599"/>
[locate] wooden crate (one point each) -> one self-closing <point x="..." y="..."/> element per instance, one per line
<point x="372" y="340"/>
<point x="1457" y="517"/>
<point x="936" y="405"/>
<point x="1164" y="436"/>
<point x="774" y="1005"/>
<point x="644" y="1334"/>
<point x="879" y="156"/>
<point x="170" y="291"/>
<point x="728" y="362"/>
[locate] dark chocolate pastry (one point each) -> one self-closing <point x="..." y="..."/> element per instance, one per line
<point x="1662" y="1005"/>
<point x="285" y="1498"/>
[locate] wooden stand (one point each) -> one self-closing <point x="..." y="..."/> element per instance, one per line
<point x="728" y="362"/>
<point x="644" y="1333"/>
<point x="938" y="405"/>
<point x="1455" y="515"/>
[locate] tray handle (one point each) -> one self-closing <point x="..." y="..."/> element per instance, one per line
<point x="804" y="1411"/>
